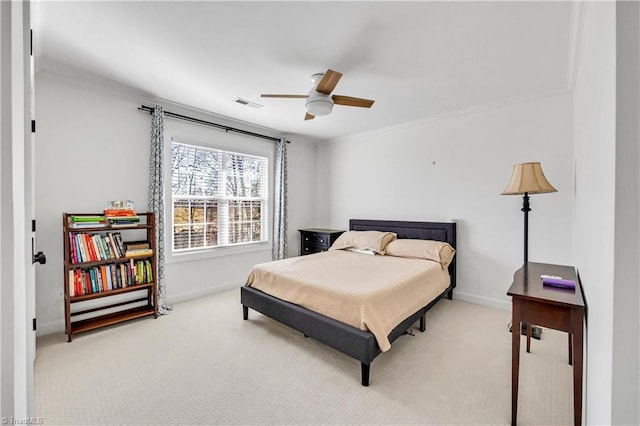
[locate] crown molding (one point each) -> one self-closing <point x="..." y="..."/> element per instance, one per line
<point x="76" y="77"/>
<point x="476" y="109"/>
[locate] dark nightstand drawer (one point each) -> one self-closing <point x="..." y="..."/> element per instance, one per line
<point x="313" y="249"/>
<point x="315" y="240"/>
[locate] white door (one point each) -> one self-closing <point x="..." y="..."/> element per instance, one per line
<point x="30" y="219"/>
<point x="17" y="292"/>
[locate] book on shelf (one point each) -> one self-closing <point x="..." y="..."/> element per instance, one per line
<point x="138" y="249"/>
<point x="74" y="249"/>
<point x="136" y="245"/>
<point x="97" y="246"/>
<point x="82" y="255"/>
<point x="149" y="276"/>
<point x="107" y="247"/>
<point x="86" y="218"/>
<point x="109" y="277"/>
<point x="119" y="222"/>
<point x="77" y="282"/>
<point x="93" y="256"/>
<point x="104" y="252"/>
<point x="112" y="277"/>
<point x="88" y="221"/>
<point x="80" y="225"/>
<point x="102" y="278"/>
<point x="118" y="279"/>
<point x="139" y="253"/>
<point x="92" y="279"/>
<point x="123" y="275"/>
<point x="98" y="278"/>
<point x="83" y="282"/>
<point x="119" y="243"/>
<point x="115" y="245"/>
<point x="119" y="212"/>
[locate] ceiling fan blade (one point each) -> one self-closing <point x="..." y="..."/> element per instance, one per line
<point x="308" y="116"/>
<point x="266" y="95"/>
<point x="328" y="82"/>
<point x="350" y="101"/>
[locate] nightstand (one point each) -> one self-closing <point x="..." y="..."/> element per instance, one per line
<point x="315" y="240"/>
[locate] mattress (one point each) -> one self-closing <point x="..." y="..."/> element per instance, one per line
<point x="372" y="293"/>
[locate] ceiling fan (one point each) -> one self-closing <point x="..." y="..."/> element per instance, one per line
<point x="319" y="100"/>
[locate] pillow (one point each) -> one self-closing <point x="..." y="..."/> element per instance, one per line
<point x="365" y="240"/>
<point x="438" y="251"/>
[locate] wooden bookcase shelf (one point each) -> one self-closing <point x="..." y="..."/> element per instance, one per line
<point x="132" y="294"/>
<point x="112" y="318"/>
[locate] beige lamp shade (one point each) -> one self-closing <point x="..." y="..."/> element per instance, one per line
<point x="528" y="178"/>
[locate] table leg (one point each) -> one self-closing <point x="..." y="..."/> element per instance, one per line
<point x="528" y="338"/>
<point x="515" y="359"/>
<point x="578" y="335"/>
<point x="570" y="348"/>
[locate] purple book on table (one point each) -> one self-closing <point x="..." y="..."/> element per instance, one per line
<point x="557" y="282"/>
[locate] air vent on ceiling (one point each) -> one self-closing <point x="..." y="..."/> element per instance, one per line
<point x="247" y="103"/>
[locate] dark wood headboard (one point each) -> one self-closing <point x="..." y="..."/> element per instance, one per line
<point x="439" y="231"/>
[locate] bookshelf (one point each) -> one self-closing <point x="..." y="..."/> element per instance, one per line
<point x="109" y="271"/>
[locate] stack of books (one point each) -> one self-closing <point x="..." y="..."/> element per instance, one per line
<point x="121" y="213"/>
<point x="121" y="217"/>
<point x="87" y="221"/>
<point x="140" y="249"/>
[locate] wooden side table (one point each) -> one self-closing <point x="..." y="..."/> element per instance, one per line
<point x="557" y="308"/>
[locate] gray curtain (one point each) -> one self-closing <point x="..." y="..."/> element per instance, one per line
<point x="156" y="200"/>
<point x="279" y="249"/>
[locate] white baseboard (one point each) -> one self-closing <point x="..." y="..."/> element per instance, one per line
<point x="58" y="325"/>
<point x="182" y="297"/>
<point x="50" y="327"/>
<point x="479" y="300"/>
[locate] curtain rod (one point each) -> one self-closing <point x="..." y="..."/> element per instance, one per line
<point x="208" y="123"/>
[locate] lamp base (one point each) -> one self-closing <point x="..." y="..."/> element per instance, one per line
<point x="536" y="332"/>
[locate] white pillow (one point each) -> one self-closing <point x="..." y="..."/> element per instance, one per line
<point x="367" y="240"/>
<point x="438" y="251"/>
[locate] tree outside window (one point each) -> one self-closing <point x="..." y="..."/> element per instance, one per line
<point x="219" y="198"/>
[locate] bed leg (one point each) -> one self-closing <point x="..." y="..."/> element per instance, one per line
<point x="245" y="312"/>
<point x="365" y="373"/>
<point x="450" y="294"/>
<point x="423" y="323"/>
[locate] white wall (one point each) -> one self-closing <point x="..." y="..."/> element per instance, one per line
<point x="92" y="146"/>
<point x="626" y="315"/>
<point x="454" y="167"/>
<point x="593" y="237"/>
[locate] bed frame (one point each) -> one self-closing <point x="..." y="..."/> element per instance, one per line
<point x="349" y="340"/>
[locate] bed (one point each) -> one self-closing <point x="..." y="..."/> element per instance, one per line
<point x="359" y="344"/>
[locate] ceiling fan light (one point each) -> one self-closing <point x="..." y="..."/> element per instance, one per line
<point x="319" y="107"/>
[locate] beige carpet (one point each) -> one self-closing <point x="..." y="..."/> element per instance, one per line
<point x="203" y="365"/>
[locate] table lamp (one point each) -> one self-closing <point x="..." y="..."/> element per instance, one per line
<point x="527" y="178"/>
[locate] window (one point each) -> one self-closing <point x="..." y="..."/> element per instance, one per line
<point x="219" y="198"/>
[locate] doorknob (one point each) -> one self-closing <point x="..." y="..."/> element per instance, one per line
<point x="40" y="258"/>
